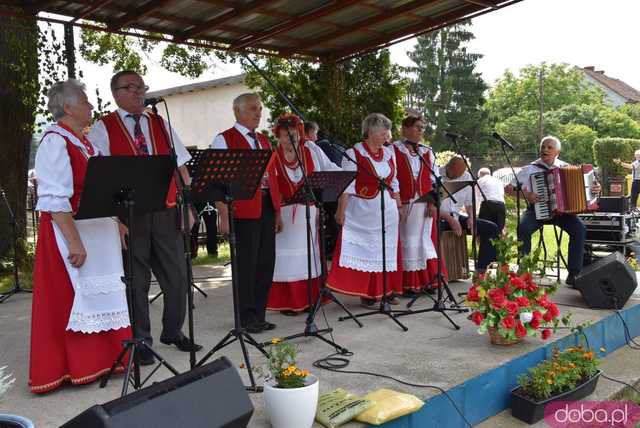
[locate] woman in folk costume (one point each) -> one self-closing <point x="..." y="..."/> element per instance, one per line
<point x="79" y="316"/>
<point x="288" y="293"/>
<point x="357" y="260"/>
<point x="417" y="232"/>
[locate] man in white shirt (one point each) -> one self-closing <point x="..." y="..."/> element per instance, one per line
<point x="455" y="170"/>
<point x="570" y="223"/>
<point x="158" y="246"/>
<point x="635" y="174"/>
<point x="256" y="221"/>
<point x="493" y="208"/>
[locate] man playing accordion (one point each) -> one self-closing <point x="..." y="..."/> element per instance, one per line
<point x="570" y="223"/>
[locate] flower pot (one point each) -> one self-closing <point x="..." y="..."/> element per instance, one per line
<point x="13" y="421"/>
<point x="530" y="411"/>
<point x="294" y="407"/>
<point x="496" y="339"/>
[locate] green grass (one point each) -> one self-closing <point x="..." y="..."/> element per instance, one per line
<point x="204" y="259"/>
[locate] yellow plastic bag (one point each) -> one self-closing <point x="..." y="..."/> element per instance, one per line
<point x="388" y="405"/>
<point x="339" y="407"/>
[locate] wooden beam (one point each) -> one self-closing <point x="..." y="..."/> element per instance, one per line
<point x="136" y="14"/>
<point x="484" y="3"/>
<point x="439" y="21"/>
<point x="92" y="8"/>
<point x="239" y="11"/>
<point x="368" y="22"/>
<point x="329" y="9"/>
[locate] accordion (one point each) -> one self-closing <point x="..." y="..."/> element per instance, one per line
<point x="564" y="190"/>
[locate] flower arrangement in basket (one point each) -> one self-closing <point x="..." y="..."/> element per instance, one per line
<point x="508" y="303"/>
<point x="282" y="367"/>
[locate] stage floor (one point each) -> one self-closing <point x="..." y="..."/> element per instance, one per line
<point x="431" y="352"/>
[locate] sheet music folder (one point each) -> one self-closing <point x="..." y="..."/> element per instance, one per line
<point x="234" y="171"/>
<point x="107" y="176"/>
<point x="327" y="186"/>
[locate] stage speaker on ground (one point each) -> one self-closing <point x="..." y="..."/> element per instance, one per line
<point x="210" y="396"/>
<point x="607" y="283"/>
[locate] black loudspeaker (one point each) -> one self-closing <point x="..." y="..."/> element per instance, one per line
<point x="210" y="396"/>
<point x="607" y="283"/>
<point x="613" y="204"/>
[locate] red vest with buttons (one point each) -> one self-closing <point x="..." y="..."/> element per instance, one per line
<point x="409" y="185"/>
<point x="121" y="143"/>
<point x="252" y="208"/>
<point x="366" y="184"/>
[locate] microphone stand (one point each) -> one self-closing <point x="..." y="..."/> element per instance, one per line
<point x="474" y="183"/>
<point x="385" y="306"/>
<point x="438" y="304"/>
<point x="518" y="188"/>
<point x="183" y="202"/>
<point x="310" y="326"/>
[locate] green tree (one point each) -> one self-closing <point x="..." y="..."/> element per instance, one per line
<point x="445" y="87"/>
<point x="19" y="92"/>
<point x="521" y="130"/>
<point x="337" y="96"/>
<point x="562" y="85"/>
<point x="577" y="143"/>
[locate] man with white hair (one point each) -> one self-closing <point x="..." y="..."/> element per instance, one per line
<point x="570" y="223"/>
<point x="492" y="208"/>
<point x="256" y="221"/>
<point x="131" y="131"/>
<point x="635" y="171"/>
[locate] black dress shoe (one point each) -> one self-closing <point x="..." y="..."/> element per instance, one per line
<point x="267" y="325"/>
<point x="255" y="328"/>
<point x="184" y="344"/>
<point x="289" y="313"/>
<point x="145" y="357"/>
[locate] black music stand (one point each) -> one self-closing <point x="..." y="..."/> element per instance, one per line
<point x="139" y="186"/>
<point x="191" y="166"/>
<point x="435" y="198"/>
<point x="230" y="175"/>
<point x="17" y="287"/>
<point x="326" y="186"/>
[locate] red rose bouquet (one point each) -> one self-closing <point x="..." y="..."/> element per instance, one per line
<point x="509" y="300"/>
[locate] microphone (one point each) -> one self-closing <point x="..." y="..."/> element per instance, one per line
<point x="152" y="101"/>
<point x="452" y="135"/>
<point x="502" y="140"/>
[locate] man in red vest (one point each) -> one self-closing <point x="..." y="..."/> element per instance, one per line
<point x="130" y="131"/>
<point x="256" y="221"/>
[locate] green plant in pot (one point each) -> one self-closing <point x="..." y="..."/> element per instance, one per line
<point x="290" y="393"/>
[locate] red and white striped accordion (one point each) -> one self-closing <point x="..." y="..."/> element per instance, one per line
<point x="564" y="190"/>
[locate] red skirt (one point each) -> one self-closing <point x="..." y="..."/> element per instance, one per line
<point x="292" y="296"/>
<point x="58" y="355"/>
<point x="364" y="284"/>
<point x="418" y="280"/>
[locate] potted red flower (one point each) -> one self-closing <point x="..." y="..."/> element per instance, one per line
<point x="508" y="303"/>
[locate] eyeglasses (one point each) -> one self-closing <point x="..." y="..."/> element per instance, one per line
<point x="419" y="127"/>
<point x="132" y="87"/>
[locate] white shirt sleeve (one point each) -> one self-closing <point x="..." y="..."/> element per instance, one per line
<point x="219" y="142"/>
<point x="347" y="165"/>
<point x="323" y="161"/>
<point x="55" y="177"/>
<point x="99" y="136"/>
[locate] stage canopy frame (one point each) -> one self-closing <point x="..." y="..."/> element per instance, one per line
<point x="313" y="30"/>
